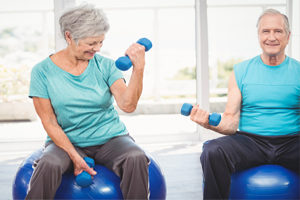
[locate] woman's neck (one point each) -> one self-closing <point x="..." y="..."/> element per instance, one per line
<point x="68" y="61"/>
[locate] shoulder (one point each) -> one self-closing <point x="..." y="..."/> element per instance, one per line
<point x="250" y="64"/>
<point x="241" y="69"/>
<point x="294" y="62"/>
<point x="103" y="60"/>
<point x="104" y="64"/>
<point x="42" y="66"/>
<point x="294" y="67"/>
<point x="247" y="63"/>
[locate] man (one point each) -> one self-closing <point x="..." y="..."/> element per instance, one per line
<point x="262" y="115"/>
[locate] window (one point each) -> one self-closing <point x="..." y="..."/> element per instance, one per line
<point x="26" y="37"/>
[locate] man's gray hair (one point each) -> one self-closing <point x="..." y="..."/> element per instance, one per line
<point x="276" y="12"/>
<point x="84" y="21"/>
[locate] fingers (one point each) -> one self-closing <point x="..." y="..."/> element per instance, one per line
<point x="194" y="111"/>
<point x="83" y="166"/>
<point x="199" y="116"/>
<point x="91" y="171"/>
<point x="77" y="171"/>
<point x="136" y="53"/>
<point x="134" y="50"/>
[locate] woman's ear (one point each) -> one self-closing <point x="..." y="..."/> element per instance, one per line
<point x="68" y="37"/>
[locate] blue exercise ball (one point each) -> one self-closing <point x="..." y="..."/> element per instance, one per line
<point x="106" y="184"/>
<point x="265" y="182"/>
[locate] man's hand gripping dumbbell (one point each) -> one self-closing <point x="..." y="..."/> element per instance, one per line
<point x="214" y="118"/>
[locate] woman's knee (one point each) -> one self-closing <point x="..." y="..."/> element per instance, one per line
<point x="51" y="164"/>
<point x="136" y="152"/>
<point x="136" y="155"/>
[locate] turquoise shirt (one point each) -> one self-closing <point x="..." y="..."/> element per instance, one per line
<point x="270" y="97"/>
<point x="83" y="104"/>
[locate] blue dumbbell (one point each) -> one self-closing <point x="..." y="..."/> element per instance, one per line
<point x="84" y="179"/>
<point x="124" y="63"/>
<point x="214" y="118"/>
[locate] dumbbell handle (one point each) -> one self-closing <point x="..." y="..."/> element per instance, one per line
<point x="124" y="63"/>
<point x="84" y="179"/>
<point x="214" y="118"/>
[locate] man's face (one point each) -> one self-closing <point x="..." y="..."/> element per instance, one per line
<point x="272" y="35"/>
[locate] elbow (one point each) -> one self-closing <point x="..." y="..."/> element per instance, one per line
<point x="129" y="108"/>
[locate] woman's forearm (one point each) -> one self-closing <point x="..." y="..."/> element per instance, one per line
<point x="133" y="91"/>
<point x="58" y="136"/>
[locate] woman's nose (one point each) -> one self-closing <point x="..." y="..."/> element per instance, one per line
<point x="97" y="47"/>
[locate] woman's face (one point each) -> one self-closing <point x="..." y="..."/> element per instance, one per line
<point x="87" y="47"/>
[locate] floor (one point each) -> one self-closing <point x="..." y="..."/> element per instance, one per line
<point x="171" y="140"/>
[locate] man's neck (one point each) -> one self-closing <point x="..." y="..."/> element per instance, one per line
<point x="272" y="60"/>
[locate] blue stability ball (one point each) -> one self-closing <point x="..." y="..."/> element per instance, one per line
<point x="265" y="182"/>
<point x="106" y="185"/>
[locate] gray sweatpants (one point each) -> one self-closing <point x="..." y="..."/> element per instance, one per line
<point x="120" y="154"/>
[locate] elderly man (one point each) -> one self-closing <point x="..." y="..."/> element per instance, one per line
<point x="262" y="115"/>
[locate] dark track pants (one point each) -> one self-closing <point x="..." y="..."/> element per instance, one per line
<point x="225" y="155"/>
<point x="120" y="155"/>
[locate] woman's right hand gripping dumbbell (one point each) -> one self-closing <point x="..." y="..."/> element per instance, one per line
<point x="136" y="53"/>
<point x="81" y="166"/>
<point x="125" y="62"/>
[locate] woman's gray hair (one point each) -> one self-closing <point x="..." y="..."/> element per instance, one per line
<point x="276" y="12"/>
<point x="84" y="21"/>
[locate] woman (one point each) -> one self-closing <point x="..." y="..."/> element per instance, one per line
<point x="72" y="93"/>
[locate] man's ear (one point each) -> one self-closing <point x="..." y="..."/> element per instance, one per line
<point x="289" y="36"/>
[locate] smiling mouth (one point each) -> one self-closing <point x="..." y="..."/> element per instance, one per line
<point x="272" y="45"/>
<point x="91" y="53"/>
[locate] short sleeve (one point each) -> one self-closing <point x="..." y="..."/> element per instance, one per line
<point x="114" y="75"/>
<point x="38" y="83"/>
<point x="108" y="68"/>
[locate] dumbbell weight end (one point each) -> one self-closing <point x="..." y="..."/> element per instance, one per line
<point x="84" y="179"/>
<point x="123" y="63"/>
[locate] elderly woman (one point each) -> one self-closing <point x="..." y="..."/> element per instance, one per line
<point x="72" y="91"/>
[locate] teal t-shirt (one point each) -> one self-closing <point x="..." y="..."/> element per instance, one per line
<point x="83" y="104"/>
<point x="270" y="97"/>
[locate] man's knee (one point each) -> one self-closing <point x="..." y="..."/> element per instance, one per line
<point x="212" y="150"/>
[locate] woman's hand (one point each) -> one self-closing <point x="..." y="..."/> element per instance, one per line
<point x="136" y="53"/>
<point x="80" y="165"/>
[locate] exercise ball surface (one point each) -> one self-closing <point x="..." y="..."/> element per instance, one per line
<point x="106" y="184"/>
<point x="265" y="182"/>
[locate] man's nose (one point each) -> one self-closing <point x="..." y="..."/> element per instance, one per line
<point x="272" y="36"/>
